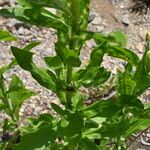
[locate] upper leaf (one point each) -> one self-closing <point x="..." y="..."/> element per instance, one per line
<point x="44" y="77"/>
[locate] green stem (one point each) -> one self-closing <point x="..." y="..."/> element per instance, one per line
<point x="6" y="102"/>
<point x="68" y="81"/>
<point x="74" y="28"/>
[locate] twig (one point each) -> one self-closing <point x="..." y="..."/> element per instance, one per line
<point x="136" y="138"/>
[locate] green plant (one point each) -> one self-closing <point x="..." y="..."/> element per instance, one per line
<point x="105" y="124"/>
<point x="11" y="99"/>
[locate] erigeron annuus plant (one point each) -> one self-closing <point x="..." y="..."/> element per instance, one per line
<point x="105" y="124"/>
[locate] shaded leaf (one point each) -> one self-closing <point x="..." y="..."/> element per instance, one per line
<point x="39" y="138"/>
<point x="87" y="144"/>
<point x="101" y="108"/>
<point x="92" y="76"/>
<point x="58" y="109"/>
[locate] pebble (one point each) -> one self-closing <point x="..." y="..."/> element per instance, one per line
<point x="91" y="17"/>
<point x="139" y="47"/>
<point x="125" y="19"/>
<point x="3" y="56"/>
<point x="97" y="21"/>
<point x="142" y="34"/>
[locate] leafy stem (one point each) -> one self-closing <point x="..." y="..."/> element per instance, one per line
<point x="6" y="102"/>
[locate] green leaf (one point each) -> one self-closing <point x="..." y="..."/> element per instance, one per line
<point x="101" y="108"/>
<point x="53" y="62"/>
<point x="34" y="15"/>
<point x="31" y="46"/>
<point x="23" y="57"/>
<point x="58" y="4"/>
<point x="58" y="109"/>
<point x="130" y="101"/>
<point x="87" y="144"/>
<point x="44" y="77"/>
<point x="97" y="55"/>
<point x="92" y="76"/>
<point x="72" y="126"/>
<point x="137" y="125"/>
<point x="72" y="58"/>
<point x="142" y="74"/>
<point x="115" y="128"/>
<point x="18" y="94"/>
<point x="69" y="57"/>
<point x="123" y="53"/>
<point x="125" y="83"/>
<point x="36" y="139"/>
<point x="120" y="38"/>
<point x="6" y="36"/>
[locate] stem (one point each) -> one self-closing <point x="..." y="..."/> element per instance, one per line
<point x="74" y="28"/>
<point x="68" y="81"/>
<point x="6" y="102"/>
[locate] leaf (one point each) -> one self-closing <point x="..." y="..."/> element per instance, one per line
<point x="58" y="4"/>
<point x="142" y="74"/>
<point x="34" y="15"/>
<point x="101" y="108"/>
<point x="44" y="77"/>
<point x="120" y="38"/>
<point x="115" y="128"/>
<point x="69" y="57"/>
<point x="87" y="144"/>
<point x="18" y="94"/>
<point x="6" y="36"/>
<point x="31" y="46"/>
<point x="92" y="76"/>
<point x="39" y="138"/>
<point x="23" y="57"/>
<point x="125" y="83"/>
<point x="124" y="54"/>
<point x="53" y="62"/>
<point x="137" y="125"/>
<point x="72" y="58"/>
<point x="72" y="126"/>
<point x="97" y="54"/>
<point x="130" y="101"/>
<point x="58" y="109"/>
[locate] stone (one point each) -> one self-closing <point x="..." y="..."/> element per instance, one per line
<point x="97" y="21"/>
<point x="91" y="17"/>
<point x="142" y="34"/>
<point x="139" y="47"/>
<point x="125" y="19"/>
<point x="3" y="56"/>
